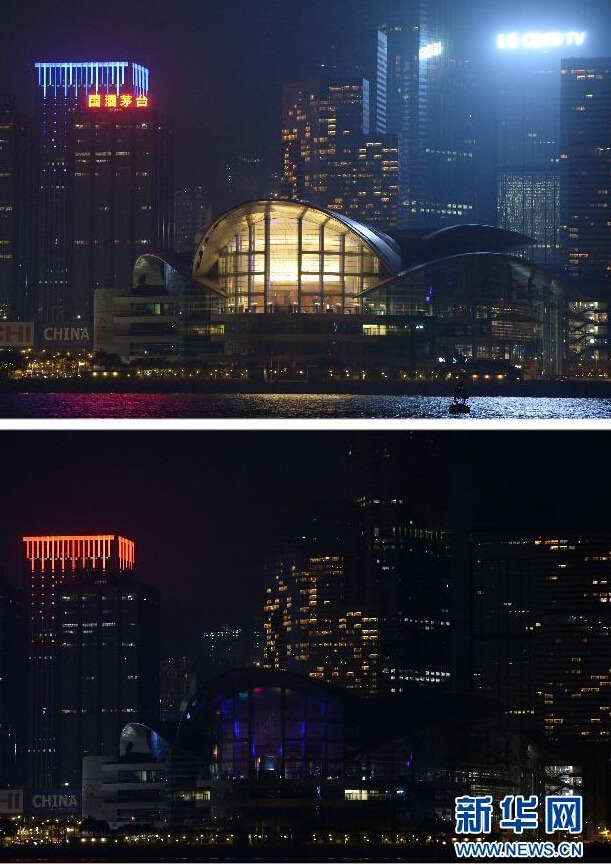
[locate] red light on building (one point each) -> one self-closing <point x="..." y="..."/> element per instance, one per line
<point x="73" y="552"/>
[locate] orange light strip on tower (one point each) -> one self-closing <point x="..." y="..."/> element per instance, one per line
<point x="71" y="551"/>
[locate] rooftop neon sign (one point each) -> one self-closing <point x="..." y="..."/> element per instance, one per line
<point x="111" y="100"/>
<point x="541" y="41"/>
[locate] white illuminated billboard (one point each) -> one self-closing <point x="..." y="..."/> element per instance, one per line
<point x="434" y="49"/>
<point x="541" y="41"/>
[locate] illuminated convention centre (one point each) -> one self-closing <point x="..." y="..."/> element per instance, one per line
<point x="285" y="288"/>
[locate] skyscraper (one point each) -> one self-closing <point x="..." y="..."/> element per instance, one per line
<point x="94" y="651"/>
<point x="18" y="208"/>
<point x="527" y="145"/>
<point x="107" y="162"/>
<point x="424" y="94"/>
<point x="586" y="173"/>
<point x="541" y="620"/>
<point x="409" y="562"/>
<point x="330" y="157"/>
<point x="315" y="621"/>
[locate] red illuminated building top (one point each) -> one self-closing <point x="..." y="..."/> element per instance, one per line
<point x="78" y="552"/>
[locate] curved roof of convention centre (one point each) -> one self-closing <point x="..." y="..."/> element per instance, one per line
<point x="401" y="252"/>
<point x="227" y="225"/>
<point x="379" y="718"/>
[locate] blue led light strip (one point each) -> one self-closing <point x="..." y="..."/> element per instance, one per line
<point x="95" y="75"/>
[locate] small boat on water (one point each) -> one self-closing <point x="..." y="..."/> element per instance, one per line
<point x="459" y="405"/>
<point x="459" y="408"/>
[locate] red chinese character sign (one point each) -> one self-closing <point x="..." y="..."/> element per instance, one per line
<point x="112" y="100"/>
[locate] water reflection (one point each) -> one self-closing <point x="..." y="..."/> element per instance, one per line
<point x="278" y="406"/>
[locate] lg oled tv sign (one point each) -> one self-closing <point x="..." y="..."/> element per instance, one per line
<point x="540" y="41"/>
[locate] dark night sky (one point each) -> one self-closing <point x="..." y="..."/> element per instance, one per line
<point x="202" y="506"/>
<point x="219" y="66"/>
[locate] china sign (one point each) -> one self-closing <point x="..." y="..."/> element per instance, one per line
<point x="64" y="334"/>
<point x="114" y="100"/>
<point x="54" y="802"/>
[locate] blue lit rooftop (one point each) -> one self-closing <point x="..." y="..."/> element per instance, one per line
<point x="96" y="76"/>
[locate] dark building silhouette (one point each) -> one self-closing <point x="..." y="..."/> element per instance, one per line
<point x="94" y="651"/>
<point x="19" y="179"/>
<point x="192" y="215"/>
<point x="177" y="684"/>
<point x="13" y="690"/>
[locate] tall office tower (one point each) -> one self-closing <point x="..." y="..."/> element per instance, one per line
<point x="18" y="199"/>
<point x="330" y="157"/>
<point x="94" y="651"/>
<point x="315" y="620"/>
<point x="586" y="173"/>
<point x="424" y="94"/>
<point x="13" y="690"/>
<point x="107" y="196"/>
<point x="527" y="149"/>
<point x="192" y="215"/>
<point x="177" y="684"/>
<point x="501" y="661"/>
<point x="541" y="623"/>
<point x="401" y="485"/>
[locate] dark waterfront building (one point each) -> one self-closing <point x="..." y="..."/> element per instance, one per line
<point x="13" y="689"/>
<point x="586" y="172"/>
<point x="107" y="194"/>
<point x="331" y="158"/>
<point x="192" y="215"/>
<point x="94" y="651"/>
<point x="18" y="209"/>
<point x="286" y="288"/>
<point x="289" y="757"/>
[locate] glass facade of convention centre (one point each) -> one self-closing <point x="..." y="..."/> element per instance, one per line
<point x="286" y="257"/>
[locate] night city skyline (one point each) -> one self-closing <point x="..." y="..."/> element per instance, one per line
<point x="191" y="532"/>
<point x="222" y="76"/>
<point x="368" y="637"/>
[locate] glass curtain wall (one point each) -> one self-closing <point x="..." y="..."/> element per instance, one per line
<point x="307" y="263"/>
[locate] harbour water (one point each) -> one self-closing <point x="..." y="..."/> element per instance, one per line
<point x="291" y="406"/>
